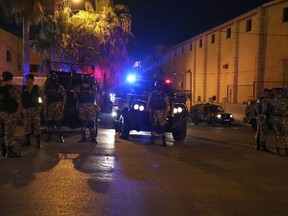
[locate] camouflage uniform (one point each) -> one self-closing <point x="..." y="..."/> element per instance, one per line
<point x="158" y="105"/>
<point x="55" y="99"/>
<point x="85" y="93"/>
<point x="31" y="111"/>
<point x="262" y="109"/>
<point x="8" y="118"/>
<point x="280" y="115"/>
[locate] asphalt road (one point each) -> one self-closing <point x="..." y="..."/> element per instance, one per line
<point x="215" y="171"/>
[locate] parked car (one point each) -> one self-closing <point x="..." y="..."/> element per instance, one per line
<point x="212" y="114"/>
<point x="250" y="114"/>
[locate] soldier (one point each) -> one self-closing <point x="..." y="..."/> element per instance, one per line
<point x="31" y="96"/>
<point x="263" y="111"/>
<point x="86" y="96"/>
<point x="158" y="107"/>
<point x="55" y="100"/>
<point x="280" y="122"/>
<point x="10" y="108"/>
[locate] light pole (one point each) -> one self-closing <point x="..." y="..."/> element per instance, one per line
<point x="190" y="72"/>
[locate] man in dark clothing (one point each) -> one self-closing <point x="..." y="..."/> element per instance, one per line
<point x="158" y="107"/>
<point x="10" y="108"/>
<point x="55" y="100"/>
<point x="31" y="97"/>
<point x="86" y="96"/>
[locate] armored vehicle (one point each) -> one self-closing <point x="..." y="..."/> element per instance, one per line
<point x="130" y="108"/>
<point x="70" y="80"/>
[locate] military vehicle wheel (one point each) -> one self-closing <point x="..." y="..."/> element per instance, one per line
<point x="124" y="128"/>
<point x="179" y="134"/>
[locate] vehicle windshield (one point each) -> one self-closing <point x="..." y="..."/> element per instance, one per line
<point x="215" y="109"/>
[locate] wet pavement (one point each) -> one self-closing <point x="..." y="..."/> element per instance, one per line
<point x="213" y="172"/>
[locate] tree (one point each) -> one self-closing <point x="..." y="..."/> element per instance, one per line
<point x="97" y="36"/>
<point x="27" y="12"/>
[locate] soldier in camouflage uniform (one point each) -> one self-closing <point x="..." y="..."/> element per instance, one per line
<point x="31" y="98"/>
<point x="86" y="96"/>
<point x="158" y="107"/>
<point x="55" y="100"/>
<point x="263" y="111"/>
<point x="10" y="107"/>
<point x="280" y="114"/>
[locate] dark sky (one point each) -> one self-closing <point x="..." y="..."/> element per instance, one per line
<point x="173" y="21"/>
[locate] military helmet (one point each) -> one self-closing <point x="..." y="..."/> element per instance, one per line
<point x="158" y="85"/>
<point x="53" y="77"/>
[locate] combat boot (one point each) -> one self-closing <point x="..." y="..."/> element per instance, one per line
<point x="150" y="141"/>
<point x="164" y="144"/>
<point x="258" y="146"/>
<point x="3" y="149"/>
<point x="93" y="138"/>
<point x="38" y="141"/>
<point x="277" y="151"/>
<point x="61" y="138"/>
<point x="49" y="136"/>
<point x="10" y="153"/>
<point x="83" y="138"/>
<point x="27" y="140"/>
<point x="263" y="147"/>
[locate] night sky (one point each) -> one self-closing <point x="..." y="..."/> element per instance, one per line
<point x="174" y="21"/>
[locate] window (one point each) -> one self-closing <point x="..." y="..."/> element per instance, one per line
<point x="200" y="43"/>
<point x="191" y="46"/>
<point x="34" y="68"/>
<point x="248" y="25"/>
<point x="228" y="33"/>
<point x="285" y="15"/>
<point x="213" y="38"/>
<point x="8" y="56"/>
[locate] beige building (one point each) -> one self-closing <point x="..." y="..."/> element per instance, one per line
<point x="233" y="61"/>
<point x="11" y="55"/>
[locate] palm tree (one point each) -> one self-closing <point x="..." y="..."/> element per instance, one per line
<point x="27" y="12"/>
<point x="97" y="36"/>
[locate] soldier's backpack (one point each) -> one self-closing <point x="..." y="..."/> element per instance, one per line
<point x="7" y="104"/>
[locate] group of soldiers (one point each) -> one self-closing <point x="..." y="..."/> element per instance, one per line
<point x="272" y="108"/>
<point x="29" y="103"/>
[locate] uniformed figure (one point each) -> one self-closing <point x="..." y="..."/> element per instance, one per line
<point x="158" y="107"/>
<point x="86" y="96"/>
<point x="263" y="112"/>
<point x="10" y="108"/>
<point x="55" y="100"/>
<point x="280" y="114"/>
<point x="31" y="98"/>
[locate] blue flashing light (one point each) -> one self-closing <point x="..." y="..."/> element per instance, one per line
<point x="131" y="78"/>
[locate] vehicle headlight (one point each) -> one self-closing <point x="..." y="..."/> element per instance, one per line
<point x="178" y="110"/>
<point x="136" y="106"/>
<point x="231" y="116"/>
<point x="39" y="100"/>
<point x="218" y="116"/>
<point x="114" y="114"/>
<point x="141" y="108"/>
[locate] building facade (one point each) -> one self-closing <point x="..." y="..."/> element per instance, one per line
<point x="235" y="60"/>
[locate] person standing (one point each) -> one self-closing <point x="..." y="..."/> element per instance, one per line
<point x="86" y="96"/>
<point x="31" y="96"/>
<point x="55" y="100"/>
<point x="280" y="115"/>
<point x="263" y="112"/>
<point x="10" y="108"/>
<point x="158" y="107"/>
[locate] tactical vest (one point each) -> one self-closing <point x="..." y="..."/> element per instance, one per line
<point x="87" y="94"/>
<point x="158" y="101"/>
<point x="259" y="105"/>
<point x="7" y="104"/>
<point x="52" y="93"/>
<point x="29" y="99"/>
